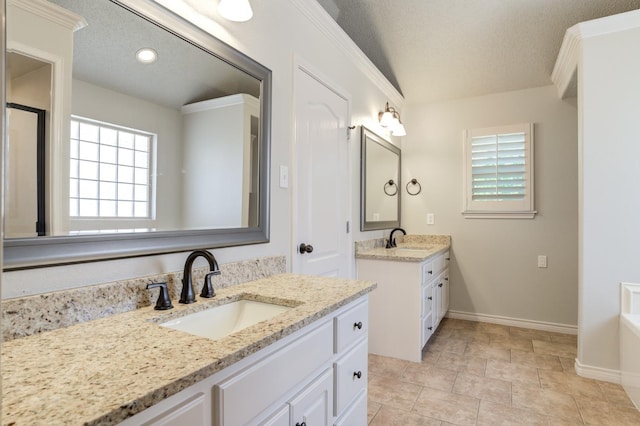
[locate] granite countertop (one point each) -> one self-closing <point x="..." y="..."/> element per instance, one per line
<point x="103" y="371"/>
<point x="404" y="253"/>
<point x="410" y="248"/>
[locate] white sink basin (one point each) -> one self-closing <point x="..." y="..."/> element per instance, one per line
<point x="220" y="321"/>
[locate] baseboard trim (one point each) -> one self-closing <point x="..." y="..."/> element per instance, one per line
<point x="514" y="322"/>
<point x="598" y="373"/>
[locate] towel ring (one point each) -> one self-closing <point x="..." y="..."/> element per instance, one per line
<point x="414" y="182"/>
<point x="391" y="184"/>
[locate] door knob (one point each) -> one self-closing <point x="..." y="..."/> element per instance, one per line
<point x="305" y="248"/>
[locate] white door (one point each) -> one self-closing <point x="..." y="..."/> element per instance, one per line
<point x="322" y="184"/>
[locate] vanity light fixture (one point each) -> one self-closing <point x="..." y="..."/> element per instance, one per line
<point x="235" y="10"/>
<point x="146" y="55"/>
<point x="390" y="118"/>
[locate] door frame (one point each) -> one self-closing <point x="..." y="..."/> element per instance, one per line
<point x="302" y="65"/>
<point x="41" y="116"/>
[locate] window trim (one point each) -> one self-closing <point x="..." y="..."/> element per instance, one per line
<point x="523" y="209"/>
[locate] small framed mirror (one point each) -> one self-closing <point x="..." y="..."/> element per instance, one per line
<point x="379" y="183"/>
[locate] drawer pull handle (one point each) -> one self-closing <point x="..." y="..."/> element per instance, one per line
<point x="446" y="278"/>
<point x="357" y="374"/>
<point x="358" y="325"/>
<point x="429" y="328"/>
<point x="301" y="424"/>
<point x="440" y="285"/>
<point x="430" y="272"/>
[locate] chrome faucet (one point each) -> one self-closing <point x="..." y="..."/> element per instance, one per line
<point x="392" y="242"/>
<point x="187" y="295"/>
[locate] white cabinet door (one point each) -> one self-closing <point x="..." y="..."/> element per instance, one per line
<point x="445" y="293"/>
<point x="280" y="418"/>
<point x="312" y="406"/>
<point x="190" y="412"/>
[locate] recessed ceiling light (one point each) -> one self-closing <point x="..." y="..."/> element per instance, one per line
<point x="146" y="55"/>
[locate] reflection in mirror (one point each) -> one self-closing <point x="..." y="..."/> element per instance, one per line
<point x="169" y="148"/>
<point x="380" y="180"/>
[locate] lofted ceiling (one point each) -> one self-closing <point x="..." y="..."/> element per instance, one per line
<point x="434" y="50"/>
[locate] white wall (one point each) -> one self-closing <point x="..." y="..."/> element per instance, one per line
<point x="214" y="152"/>
<point x="280" y="33"/>
<point x="609" y="104"/>
<point x="494" y="269"/>
<point x="128" y="111"/>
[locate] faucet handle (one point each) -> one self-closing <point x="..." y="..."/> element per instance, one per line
<point x="164" y="302"/>
<point x="207" y="288"/>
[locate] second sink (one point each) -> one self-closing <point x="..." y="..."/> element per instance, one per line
<point x="220" y="321"/>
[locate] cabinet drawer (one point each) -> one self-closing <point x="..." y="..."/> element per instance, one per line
<point x="427" y="300"/>
<point x="438" y="264"/>
<point x="427" y="272"/>
<point x="351" y="326"/>
<point x="350" y="375"/>
<point x="427" y="328"/>
<point x="356" y="414"/>
<point x="273" y="376"/>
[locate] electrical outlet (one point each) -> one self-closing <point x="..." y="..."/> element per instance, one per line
<point x="542" y="261"/>
<point x="430" y="219"/>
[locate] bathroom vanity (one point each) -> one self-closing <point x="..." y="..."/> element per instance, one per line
<point x="412" y="295"/>
<point x="308" y="364"/>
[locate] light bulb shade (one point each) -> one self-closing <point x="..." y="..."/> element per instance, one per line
<point x="387" y="119"/>
<point x="399" y="130"/>
<point x="235" y="10"/>
<point x="394" y="122"/>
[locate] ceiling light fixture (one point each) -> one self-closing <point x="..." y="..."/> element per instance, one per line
<point x="146" y="55"/>
<point x="235" y="10"/>
<point x="390" y="118"/>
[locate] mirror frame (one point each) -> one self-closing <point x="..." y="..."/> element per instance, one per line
<point x="26" y="253"/>
<point x="368" y="135"/>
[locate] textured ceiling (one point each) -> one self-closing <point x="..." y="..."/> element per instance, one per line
<point x="104" y="54"/>
<point x="433" y="50"/>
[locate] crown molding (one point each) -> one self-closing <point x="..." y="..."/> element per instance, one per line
<point x="330" y="29"/>
<point x="564" y="74"/>
<point x="51" y="12"/>
<point x="226" y="101"/>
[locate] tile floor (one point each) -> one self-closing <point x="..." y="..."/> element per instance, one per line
<point x="486" y="374"/>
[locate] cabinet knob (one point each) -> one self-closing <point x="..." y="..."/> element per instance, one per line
<point x="448" y="258"/>
<point x="440" y="285"/>
<point x="430" y="272"/>
<point x="357" y="374"/>
<point x="430" y="328"/>
<point x="430" y="298"/>
<point x="301" y="424"/>
<point x="446" y="278"/>
<point x="358" y="325"/>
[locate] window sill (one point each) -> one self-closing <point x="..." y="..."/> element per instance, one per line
<point x="499" y="215"/>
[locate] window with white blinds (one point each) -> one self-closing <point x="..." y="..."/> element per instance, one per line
<point x="499" y="172"/>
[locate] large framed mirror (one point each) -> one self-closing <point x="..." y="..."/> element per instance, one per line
<point x="156" y="135"/>
<point x="379" y="183"/>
